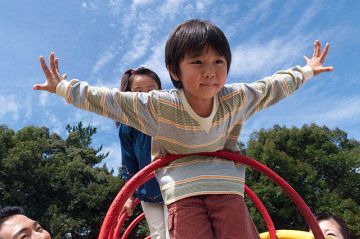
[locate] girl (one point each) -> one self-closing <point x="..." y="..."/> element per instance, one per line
<point x="136" y="154"/>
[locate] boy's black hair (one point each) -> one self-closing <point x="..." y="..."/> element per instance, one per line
<point x="343" y="227"/>
<point x="8" y="212"/>
<point x="190" y="39"/>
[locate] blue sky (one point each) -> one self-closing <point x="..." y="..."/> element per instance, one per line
<point x="96" y="40"/>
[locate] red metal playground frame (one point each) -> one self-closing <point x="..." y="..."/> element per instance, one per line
<point x="113" y="220"/>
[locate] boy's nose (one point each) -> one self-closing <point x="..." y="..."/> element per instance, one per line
<point x="209" y="72"/>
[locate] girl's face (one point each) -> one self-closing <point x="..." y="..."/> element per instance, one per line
<point x="143" y="83"/>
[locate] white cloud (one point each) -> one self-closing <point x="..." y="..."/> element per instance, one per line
<point x="257" y="13"/>
<point x="324" y="111"/>
<point x="89" y="5"/>
<point x="336" y="111"/>
<point x="201" y="5"/>
<point x="105" y="58"/>
<point x="43" y="98"/>
<point x="256" y="59"/>
<point x="29" y="109"/>
<point x="10" y="105"/>
<point x="308" y="15"/>
<point x="141" y="2"/>
<point x="156" y="61"/>
<point x="278" y="22"/>
<point x="116" y="6"/>
<point x="170" y="9"/>
<point x="102" y="123"/>
<point x="54" y="123"/>
<point x="140" y="43"/>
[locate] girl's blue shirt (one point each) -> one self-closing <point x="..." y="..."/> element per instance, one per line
<point x="136" y="154"/>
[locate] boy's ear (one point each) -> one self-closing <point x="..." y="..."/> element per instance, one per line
<point x="172" y="74"/>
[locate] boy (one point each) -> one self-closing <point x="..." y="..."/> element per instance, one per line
<point x="204" y="194"/>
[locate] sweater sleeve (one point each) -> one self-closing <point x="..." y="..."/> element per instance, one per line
<point x="136" y="109"/>
<point x="270" y="90"/>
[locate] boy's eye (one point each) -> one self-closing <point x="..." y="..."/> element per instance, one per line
<point x="219" y="61"/>
<point x="196" y="62"/>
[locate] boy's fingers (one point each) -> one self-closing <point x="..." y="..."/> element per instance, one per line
<point x="45" y="68"/>
<point x="328" y="68"/>
<point x="314" y="52"/>
<point x="52" y="63"/>
<point x="324" y="53"/>
<point x="57" y="64"/>
<point x="317" y="48"/>
<point x="39" y="87"/>
<point x="323" y="69"/>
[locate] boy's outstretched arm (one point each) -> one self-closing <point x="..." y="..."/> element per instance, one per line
<point x="318" y="58"/>
<point x="52" y="75"/>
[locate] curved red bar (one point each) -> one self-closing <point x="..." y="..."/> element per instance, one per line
<point x="122" y="218"/>
<point x="139" y="178"/>
<point x="259" y="205"/>
<point x="264" y="213"/>
<point x="132" y="225"/>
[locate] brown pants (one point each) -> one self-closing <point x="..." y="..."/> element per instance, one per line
<point x="223" y="216"/>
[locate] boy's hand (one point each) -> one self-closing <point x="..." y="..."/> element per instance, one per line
<point x="318" y="58"/>
<point x="53" y="76"/>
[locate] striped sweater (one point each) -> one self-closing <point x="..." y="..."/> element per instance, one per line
<point x="177" y="129"/>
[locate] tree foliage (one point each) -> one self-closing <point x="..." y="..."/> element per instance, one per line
<point x="55" y="180"/>
<point x="322" y="165"/>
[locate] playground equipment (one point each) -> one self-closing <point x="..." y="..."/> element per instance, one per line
<point x="112" y="221"/>
<point x="288" y="234"/>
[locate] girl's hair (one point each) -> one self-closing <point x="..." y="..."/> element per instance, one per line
<point x="190" y="39"/>
<point x="129" y="75"/>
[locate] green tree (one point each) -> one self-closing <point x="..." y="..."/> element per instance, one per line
<point x="322" y="165"/>
<point x="55" y="180"/>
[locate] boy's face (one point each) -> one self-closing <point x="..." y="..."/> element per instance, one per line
<point x="21" y="227"/>
<point x="202" y="76"/>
